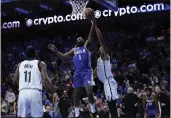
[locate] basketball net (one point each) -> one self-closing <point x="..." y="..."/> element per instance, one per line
<point x="78" y="6"/>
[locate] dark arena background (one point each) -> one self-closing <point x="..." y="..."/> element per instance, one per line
<point x="136" y="32"/>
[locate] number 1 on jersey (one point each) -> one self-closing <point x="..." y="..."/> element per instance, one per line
<point x="149" y="103"/>
<point x="29" y="73"/>
<point x="79" y="57"/>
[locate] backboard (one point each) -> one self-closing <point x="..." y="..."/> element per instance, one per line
<point x="109" y="4"/>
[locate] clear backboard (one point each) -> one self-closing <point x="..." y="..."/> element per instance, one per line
<point x="109" y="4"/>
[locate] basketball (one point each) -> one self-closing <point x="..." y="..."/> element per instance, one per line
<point x="88" y="12"/>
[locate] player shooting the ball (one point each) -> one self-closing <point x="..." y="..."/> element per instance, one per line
<point x="104" y="73"/>
<point x="83" y="76"/>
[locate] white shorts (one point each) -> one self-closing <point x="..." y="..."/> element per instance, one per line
<point x="110" y="89"/>
<point x="30" y="102"/>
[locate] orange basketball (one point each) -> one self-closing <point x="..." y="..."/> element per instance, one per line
<point x="88" y="12"/>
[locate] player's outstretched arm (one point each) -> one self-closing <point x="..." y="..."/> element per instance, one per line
<point x="60" y="55"/>
<point x="92" y="31"/>
<point x="45" y="77"/>
<point x="100" y="38"/>
<point x="16" y="75"/>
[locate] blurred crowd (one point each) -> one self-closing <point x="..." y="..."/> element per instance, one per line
<point x="139" y="59"/>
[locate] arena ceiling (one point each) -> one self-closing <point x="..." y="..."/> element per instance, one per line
<point x="44" y="7"/>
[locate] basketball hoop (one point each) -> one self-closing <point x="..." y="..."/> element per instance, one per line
<point x="78" y="6"/>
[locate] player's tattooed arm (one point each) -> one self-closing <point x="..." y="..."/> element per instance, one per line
<point x="16" y="75"/>
<point x="92" y="31"/>
<point x="45" y="77"/>
<point x="60" y="55"/>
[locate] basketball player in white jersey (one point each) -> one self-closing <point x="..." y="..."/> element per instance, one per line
<point x="30" y="73"/>
<point x="104" y="73"/>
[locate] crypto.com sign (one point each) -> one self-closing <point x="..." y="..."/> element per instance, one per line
<point x="75" y="17"/>
<point x="105" y="13"/>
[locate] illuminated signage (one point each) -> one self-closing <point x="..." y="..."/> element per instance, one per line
<point x="98" y="13"/>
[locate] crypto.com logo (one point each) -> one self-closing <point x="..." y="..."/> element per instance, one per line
<point x="9" y="25"/>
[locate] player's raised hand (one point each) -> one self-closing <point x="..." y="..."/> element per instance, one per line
<point x="93" y="20"/>
<point x="93" y="16"/>
<point x="52" y="47"/>
<point x="89" y="13"/>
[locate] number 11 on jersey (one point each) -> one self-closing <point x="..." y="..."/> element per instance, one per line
<point x="26" y="77"/>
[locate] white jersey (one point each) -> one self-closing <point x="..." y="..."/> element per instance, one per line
<point x="105" y="75"/>
<point x="104" y="69"/>
<point x="29" y="75"/>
